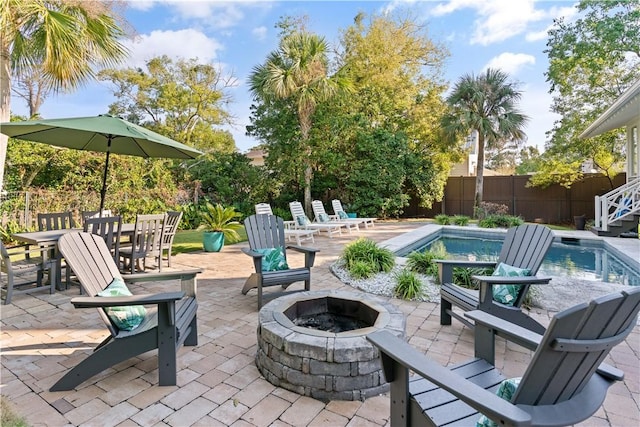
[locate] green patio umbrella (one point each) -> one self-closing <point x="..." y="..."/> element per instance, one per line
<point x="103" y="133"/>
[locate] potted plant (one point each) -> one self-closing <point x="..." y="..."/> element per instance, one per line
<point x="219" y="223"/>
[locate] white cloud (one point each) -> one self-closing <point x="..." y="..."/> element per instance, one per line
<point x="141" y="4"/>
<point x="499" y="20"/>
<point x="186" y="44"/>
<point x="509" y="62"/>
<point x="260" y="32"/>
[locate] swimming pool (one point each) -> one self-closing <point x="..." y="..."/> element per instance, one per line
<point x="581" y="259"/>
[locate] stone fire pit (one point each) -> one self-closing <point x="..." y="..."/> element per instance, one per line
<point x="329" y="364"/>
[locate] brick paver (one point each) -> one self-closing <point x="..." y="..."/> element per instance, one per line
<point x="42" y="336"/>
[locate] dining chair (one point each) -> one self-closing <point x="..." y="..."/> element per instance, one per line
<point x="94" y="214"/>
<point x="24" y="268"/>
<point x="145" y="242"/>
<point x="57" y="221"/>
<point x="110" y="229"/>
<point x="170" y="228"/>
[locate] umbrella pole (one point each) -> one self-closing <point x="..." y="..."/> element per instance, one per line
<point x="103" y="192"/>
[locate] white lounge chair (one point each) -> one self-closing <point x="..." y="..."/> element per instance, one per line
<point x="322" y="217"/>
<point x="290" y="230"/>
<point x="338" y="210"/>
<point x="302" y="222"/>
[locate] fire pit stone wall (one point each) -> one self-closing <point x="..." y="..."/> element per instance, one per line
<point x="320" y="364"/>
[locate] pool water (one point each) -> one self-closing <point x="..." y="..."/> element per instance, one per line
<point x="579" y="261"/>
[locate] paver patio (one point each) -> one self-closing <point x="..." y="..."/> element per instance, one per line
<point x="218" y="384"/>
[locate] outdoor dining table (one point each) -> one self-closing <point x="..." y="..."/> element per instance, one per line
<point x="50" y="237"/>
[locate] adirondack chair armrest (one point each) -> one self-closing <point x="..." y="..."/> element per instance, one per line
<point x="512" y="280"/>
<point x="143" y="299"/>
<point x="507" y="330"/>
<point x="160" y="276"/>
<point x="309" y="254"/>
<point x="446" y="266"/>
<point x="396" y="351"/>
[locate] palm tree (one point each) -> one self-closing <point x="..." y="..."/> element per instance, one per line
<point x="62" y="39"/>
<point x="298" y="70"/>
<point x="486" y="104"/>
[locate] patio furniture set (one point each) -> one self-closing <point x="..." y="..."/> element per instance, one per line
<point x="565" y="382"/>
<point x="129" y="244"/>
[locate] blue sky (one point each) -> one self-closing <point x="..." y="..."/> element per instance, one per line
<point x="237" y="35"/>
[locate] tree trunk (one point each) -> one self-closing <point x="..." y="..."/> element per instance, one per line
<point x="5" y="105"/>
<point x="479" y="174"/>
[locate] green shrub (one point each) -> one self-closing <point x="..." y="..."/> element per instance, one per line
<point x="462" y="276"/>
<point x="494" y="221"/>
<point x="361" y="269"/>
<point x="460" y="220"/>
<point x="442" y="219"/>
<point x="422" y="262"/>
<point x="367" y="251"/>
<point x="408" y="285"/>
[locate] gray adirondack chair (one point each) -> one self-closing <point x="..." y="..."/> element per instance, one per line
<point x="167" y="326"/>
<point x="267" y="231"/>
<point x="524" y="246"/>
<point x="565" y="382"/>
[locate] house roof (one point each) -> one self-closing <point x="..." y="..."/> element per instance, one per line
<point x="623" y="111"/>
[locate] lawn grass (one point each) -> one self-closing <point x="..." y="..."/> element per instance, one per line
<point x="8" y="418"/>
<point x="191" y="240"/>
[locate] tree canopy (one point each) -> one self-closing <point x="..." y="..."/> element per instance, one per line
<point x="592" y="60"/>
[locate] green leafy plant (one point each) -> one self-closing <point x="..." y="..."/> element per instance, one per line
<point x="361" y="269"/>
<point x="494" y="221"/>
<point x="367" y="251"/>
<point x="422" y="262"/>
<point x="460" y="220"/>
<point x="408" y="285"/>
<point x="463" y="276"/>
<point x="218" y="218"/>
<point x="442" y="219"/>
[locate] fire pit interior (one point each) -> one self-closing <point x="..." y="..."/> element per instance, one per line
<point x="332" y="314"/>
<point x="313" y="343"/>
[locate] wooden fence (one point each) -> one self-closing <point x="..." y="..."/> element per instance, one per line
<point x="554" y="204"/>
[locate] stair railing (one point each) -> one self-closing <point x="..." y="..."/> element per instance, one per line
<point x="617" y="204"/>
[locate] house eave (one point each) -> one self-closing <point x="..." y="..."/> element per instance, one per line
<point x="619" y="114"/>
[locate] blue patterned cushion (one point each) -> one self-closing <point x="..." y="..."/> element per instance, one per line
<point x="323" y="217"/>
<point x="506" y="391"/>
<point x="273" y="259"/>
<point x="343" y="215"/>
<point x="507" y="294"/>
<point x="126" y="317"/>
<point x="302" y="220"/>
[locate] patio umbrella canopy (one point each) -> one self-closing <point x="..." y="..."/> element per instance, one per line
<point x="103" y="133"/>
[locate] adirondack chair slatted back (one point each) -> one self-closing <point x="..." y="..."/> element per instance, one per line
<point x="525" y="246"/>
<point x="296" y="210"/>
<point x="263" y="208"/>
<point x="94" y="271"/>
<point x="110" y="229"/>
<point x="265" y="231"/>
<point x="576" y="342"/>
<point x="55" y="221"/>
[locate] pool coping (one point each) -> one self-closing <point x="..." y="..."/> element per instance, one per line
<point x="625" y="249"/>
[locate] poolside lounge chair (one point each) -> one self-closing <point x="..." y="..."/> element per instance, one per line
<point x="565" y="382"/>
<point x="339" y="211"/>
<point x="168" y="325"/>
<point x="322" y="217"/>
<point x="269" y="252"/>
<point x="290" y="231"/>
<point x="302" y="221"/>
<point x="524" y="247"/>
